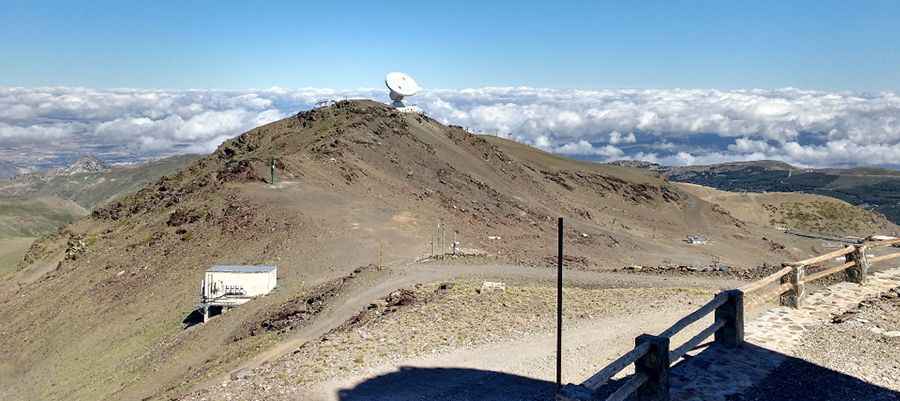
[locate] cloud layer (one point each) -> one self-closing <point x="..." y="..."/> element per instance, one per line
<point x="677" y="126"/>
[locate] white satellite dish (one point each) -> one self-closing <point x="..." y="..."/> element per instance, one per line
<point x="400" y="85"/>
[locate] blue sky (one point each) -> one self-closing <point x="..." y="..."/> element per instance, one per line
<point x="814" y="83"/>
<point x="825" y="45"/>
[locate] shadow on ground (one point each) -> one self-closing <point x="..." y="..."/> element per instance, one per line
<point x="753" y="373"/>
<point x="195" y="317"/>
<point x="457" y="384"/>
<point x="796" y="379"/>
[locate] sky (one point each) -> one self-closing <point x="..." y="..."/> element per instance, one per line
<point x="813" y="83"/>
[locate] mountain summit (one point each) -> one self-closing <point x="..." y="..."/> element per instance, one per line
<point x="85" y="164"/>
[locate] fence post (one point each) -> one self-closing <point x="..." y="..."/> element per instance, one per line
<point x="857" y="273"/>
<point x="795" y="298"/>
<point x="655" y="365"/>
<point x="732" y="312"/>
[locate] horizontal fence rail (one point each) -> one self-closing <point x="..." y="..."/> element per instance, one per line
<point x="694" y="342"/>
<point x="628" y="388"/>
<point x="696" y="315"/>
<point x="652" y="357"/>
<point x="616" y="366"/>
<point x="824" y="258"/>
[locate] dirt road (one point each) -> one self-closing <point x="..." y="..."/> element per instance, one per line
<point x="531" y="356"/>
<point x="516" y="370"/>
<point x="410" y="275"/>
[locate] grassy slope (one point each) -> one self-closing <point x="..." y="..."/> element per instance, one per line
<point x="877" y="188"/>
<point x="34" y="205"/>
<point x="797" y="211"/>
<point x="11" y="252"/>
<point x="36" y="216"/>
<point x="92" y="189"/>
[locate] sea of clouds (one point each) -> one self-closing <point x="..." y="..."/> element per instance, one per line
<point x="44" y="126"/>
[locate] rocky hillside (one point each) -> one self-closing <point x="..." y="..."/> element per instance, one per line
<point x="84" y="165"/>
<point x="357" y="184"/>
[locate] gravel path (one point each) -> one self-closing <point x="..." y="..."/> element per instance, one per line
<point x="409" y="275"/>
<point x="464" y="345"/>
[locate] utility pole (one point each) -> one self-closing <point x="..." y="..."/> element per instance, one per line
<point x="559" y="301"/>
<point x="434" y="240"/>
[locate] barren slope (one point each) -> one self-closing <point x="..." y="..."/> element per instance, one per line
<point x="99" y="314"/>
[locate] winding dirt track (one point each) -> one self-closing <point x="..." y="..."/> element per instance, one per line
<point x="535" y="357"/>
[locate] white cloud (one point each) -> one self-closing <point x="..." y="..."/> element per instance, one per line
<point x="674" y="126"/>
<point x="615" y="138"/>
<point x="585" y="148"/>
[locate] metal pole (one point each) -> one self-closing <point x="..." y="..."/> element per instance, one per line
<point x="559" y="300"/>
<point x="273" y="171"/>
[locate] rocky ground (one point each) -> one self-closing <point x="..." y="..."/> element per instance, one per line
<point x="864" y="343"/>
<point x="435" y="319"/>
<point x="855" y="357"/>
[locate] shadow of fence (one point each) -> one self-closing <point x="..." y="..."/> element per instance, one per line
<point x="753" y="373"/>
<point x="458" y="384"/>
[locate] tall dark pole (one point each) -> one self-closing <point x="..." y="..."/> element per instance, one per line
<point x="559" y="300"/>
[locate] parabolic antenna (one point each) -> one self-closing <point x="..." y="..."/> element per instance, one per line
<point x="400" y="85"/>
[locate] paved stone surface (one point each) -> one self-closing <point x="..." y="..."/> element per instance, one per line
<point x="781" y="329"/>
<point x="718" y="373"/>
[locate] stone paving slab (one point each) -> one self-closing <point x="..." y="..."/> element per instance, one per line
<point x="781" y="329"/>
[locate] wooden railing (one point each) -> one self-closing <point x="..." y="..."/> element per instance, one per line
<point x="789" y="283"/>
<point x="652" y="356"/>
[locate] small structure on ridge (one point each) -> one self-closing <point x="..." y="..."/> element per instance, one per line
<point x="227" y="286"/>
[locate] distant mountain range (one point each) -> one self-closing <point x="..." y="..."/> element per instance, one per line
<point x="9" y="170"/>
<point x="872" y="188"/>
<point x="33" y="204"/>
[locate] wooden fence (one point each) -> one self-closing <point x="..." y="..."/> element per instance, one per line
<point x="652" y="356"/>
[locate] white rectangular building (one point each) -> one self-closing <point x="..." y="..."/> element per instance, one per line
<point x="227" y="286"/>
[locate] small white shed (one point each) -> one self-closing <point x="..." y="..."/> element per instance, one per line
<point x="227" y="286"/>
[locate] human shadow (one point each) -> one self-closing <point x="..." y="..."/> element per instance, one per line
<point x="754" y="373"/>
<point x="458" y="384"/>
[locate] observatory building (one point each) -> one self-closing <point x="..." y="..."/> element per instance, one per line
<point x="400" y="86"/>
<point x="227" y="286"/>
